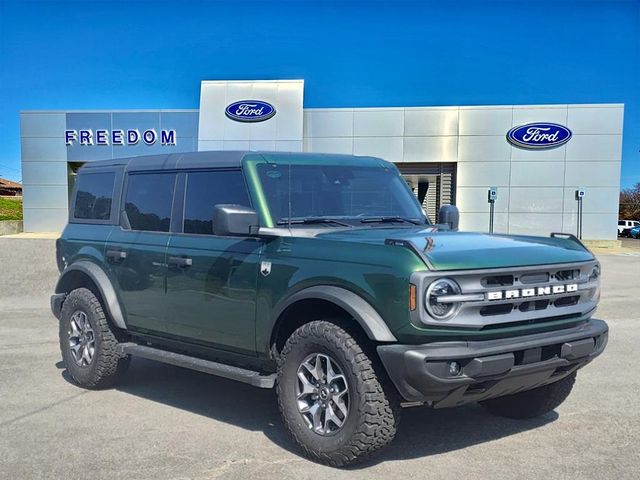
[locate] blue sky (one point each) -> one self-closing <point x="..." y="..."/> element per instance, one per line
<point x="139" y="54"/>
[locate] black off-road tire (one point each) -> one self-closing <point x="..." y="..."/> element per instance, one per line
<point x="374" y="406"/>
<point x="532" y="403"/>
<point x="107" y="364"/>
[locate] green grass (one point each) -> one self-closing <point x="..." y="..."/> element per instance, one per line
<point x="11" y="208"/>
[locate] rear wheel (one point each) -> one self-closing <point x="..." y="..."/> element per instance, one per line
<point x="333" y="395"/>
<point x="87" y="342"/>
<point x="532" y="403"/>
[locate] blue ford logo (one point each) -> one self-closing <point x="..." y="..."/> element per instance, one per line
<point x="539" y="136"/>
<point x="250" y="111"/>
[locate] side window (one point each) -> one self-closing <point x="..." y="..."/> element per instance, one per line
<point x="94" y="196"/>
<point x="149" y="200"/>
<point x="208" y="189"/>
<point x="621" y="223"/>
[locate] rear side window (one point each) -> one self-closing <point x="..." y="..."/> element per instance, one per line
<point x="149" y="200"/>
<point x="206" y="190"/>
<point x="94" y="196"/>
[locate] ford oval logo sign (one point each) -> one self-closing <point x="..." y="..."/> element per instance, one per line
<point x="250" y="111"/>
<point x="539" y="136"/>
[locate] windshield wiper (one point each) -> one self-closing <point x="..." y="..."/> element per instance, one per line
<point x="310" y="220"/>
<point x="390" y="220"/>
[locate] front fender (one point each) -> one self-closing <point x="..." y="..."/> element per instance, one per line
<point x="366" y="316"/>
<point x="102" y="283"/>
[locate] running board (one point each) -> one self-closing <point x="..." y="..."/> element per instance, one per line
<point x="251" y="377"/>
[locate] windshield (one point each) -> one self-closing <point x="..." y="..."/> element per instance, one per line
<point x="337" y="191"/>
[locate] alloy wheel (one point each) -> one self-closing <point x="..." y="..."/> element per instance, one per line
<point x="322" y="394"/>
<point x="82" y="340"/>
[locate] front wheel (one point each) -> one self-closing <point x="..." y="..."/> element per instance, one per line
<point x="532" y="403"/>
<point x="333" y="396"/>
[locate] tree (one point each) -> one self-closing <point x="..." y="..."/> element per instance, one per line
<point x="630" y="203"/>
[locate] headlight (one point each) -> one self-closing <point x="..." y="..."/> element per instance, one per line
<point x="594" y="276"/>
<point x="595" y="273"/>
<point x="437" y="308"/>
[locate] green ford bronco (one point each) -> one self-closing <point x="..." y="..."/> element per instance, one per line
<point x="319" y="276"/>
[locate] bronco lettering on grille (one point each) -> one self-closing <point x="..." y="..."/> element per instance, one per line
<point x="532" y="292"/>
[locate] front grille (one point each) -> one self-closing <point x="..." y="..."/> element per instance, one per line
<point x="498" y="281"/>
<point x="533" y="305"/>
<point x="522" y="295"/>
<point x="496" y="309"/>
<point x="566" y="275"/>
<point x="538" y="277"/>
<point x="567" y="301"/>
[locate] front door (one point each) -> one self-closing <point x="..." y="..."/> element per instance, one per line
<point x="211" y="280"/>
<point x="136" y="250"/>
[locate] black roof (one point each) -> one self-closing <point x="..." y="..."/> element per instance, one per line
<point x="174" y="161"/>
<point x="217" y="159"/>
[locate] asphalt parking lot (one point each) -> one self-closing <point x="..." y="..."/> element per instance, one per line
<point x="166" y="422"/>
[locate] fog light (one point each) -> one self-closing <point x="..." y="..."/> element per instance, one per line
<point x="454" y="369"/>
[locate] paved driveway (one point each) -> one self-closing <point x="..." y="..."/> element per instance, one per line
<point x="166" y="422"/>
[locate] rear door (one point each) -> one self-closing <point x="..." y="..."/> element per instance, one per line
<point x="211" y="280"/>
<point x="136" y="249"/>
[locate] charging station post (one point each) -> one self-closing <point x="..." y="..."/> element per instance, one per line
<point x="580" y="193"/>
<point x="492" y="196"/>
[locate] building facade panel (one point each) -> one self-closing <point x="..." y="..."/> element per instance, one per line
<point x="184" y="123"/>
<point x="596" y="148"/>
<point x="536" y="200"/>
<point x="479" y="222"/>
<point x="45" y="173"/>
<point x="553" y="155"/>
<point x="474" y="200"/>
<point x="595" y="120"/>
<point x="45" y="219"/>
<point x="480" y="174"/>
<point x="378" y="122"/>
<point x="328" y="123"/>
<point x="430" y="149"/>
<point x="133" y="120"/>
<point x="46" y="196"/>
<point x="422" y="122"/>
<point x="532" y="174"/>
<point x="487" y="148"/>
<point x="595" y="226"/>
<point x="43" y="149"/>
<point x="389" y="148"/>
<point x="596" y="200"/>
<point x="42" y="125"/>
<point x="592" y="174"/>
<point x="535" y="223"/>
<point x="329" y="145"/>
<point x="485" y="120"/>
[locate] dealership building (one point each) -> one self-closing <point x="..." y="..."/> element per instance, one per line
<point x="448" y="154"/>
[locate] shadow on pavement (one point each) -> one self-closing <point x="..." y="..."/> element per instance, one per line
<point x="422" y="431"/>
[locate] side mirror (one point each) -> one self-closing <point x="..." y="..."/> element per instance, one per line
<point x="449" y="215"/>
<point x="234" y="220"/>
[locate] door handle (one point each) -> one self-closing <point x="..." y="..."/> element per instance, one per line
<point x="180" y="262"/>
<point x="116" y="255"/>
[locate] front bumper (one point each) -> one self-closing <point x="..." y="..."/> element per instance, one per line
<point x="490" y="368"/>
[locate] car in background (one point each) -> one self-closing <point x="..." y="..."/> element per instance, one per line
<point x="624" y="226"/>
<point x="634" y="232"/>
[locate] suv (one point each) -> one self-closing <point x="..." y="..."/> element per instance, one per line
<point x="625" y="226"/>
<point x="319" y="276"/>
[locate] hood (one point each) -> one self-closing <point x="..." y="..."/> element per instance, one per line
<point x="469" y="250"/>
